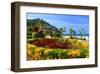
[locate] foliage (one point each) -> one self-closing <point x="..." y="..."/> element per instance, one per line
<point x="33" y="50"/>
<point x="64" y="54"/>
<point x="56" y="47"/>
<point x="29" y="34"/>
<point x="53" y="54"/>
<point x="61" y="30"/>
<point x="84" y="53"/>
<point x="82" y="34"/>
<point x="42" y="53"/>
<point x="72" y="32"/>
<point x="40" y="23"/>
<point x="56" y="43"/>
<point x="74" y="53"/>
<point x="34" y="35"/>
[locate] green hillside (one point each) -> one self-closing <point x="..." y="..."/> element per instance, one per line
<point x="46" y="27"/>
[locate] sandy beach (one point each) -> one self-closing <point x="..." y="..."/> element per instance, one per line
<point x="86" y="37"/>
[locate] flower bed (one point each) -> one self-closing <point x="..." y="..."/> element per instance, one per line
<point x="43" y="49"/>
<point x="56" y="43"/>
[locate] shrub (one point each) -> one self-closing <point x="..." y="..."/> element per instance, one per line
<point x="29" y="34"/>
<point x="74" y="53"/>
<point x="55" y="43"/>
<point x="84" y="53"/>
<point x="63" y="54"/>
<point x="34" y="35"/>
<point x="42" y="53"/>
<point x="53" y="54"/>
<point x="33" y="50"/>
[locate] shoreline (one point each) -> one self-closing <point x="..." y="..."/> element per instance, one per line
<point x="86" y="37"/>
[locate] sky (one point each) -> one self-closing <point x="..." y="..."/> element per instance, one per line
<point x="77" y="22"/>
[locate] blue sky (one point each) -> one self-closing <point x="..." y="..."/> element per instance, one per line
<point x="63" y="20"/>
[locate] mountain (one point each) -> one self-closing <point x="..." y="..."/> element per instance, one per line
<point x="40" y="23"/>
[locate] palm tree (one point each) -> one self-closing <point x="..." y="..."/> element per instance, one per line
<point x="82" y="33"/>
<point x="61" y="30"/>
<point x="72" y="32"/>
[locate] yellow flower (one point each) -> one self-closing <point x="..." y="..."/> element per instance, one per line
<point x="30" y="46"/>
<point x="74" y="53"/>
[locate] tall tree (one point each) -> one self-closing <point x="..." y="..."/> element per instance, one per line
<point x="82" y="33"/>
<point x="61" y="30"/>
<point x="72" y="32"/>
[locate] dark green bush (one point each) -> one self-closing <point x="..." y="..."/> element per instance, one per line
<point x="58" y="54"/>
<point x="84" y="53"/>
<point x="42" y="53"/>
<point x="63" y="54"/>
<point x="53" y="54"/>
<point x="29" y="35"/>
